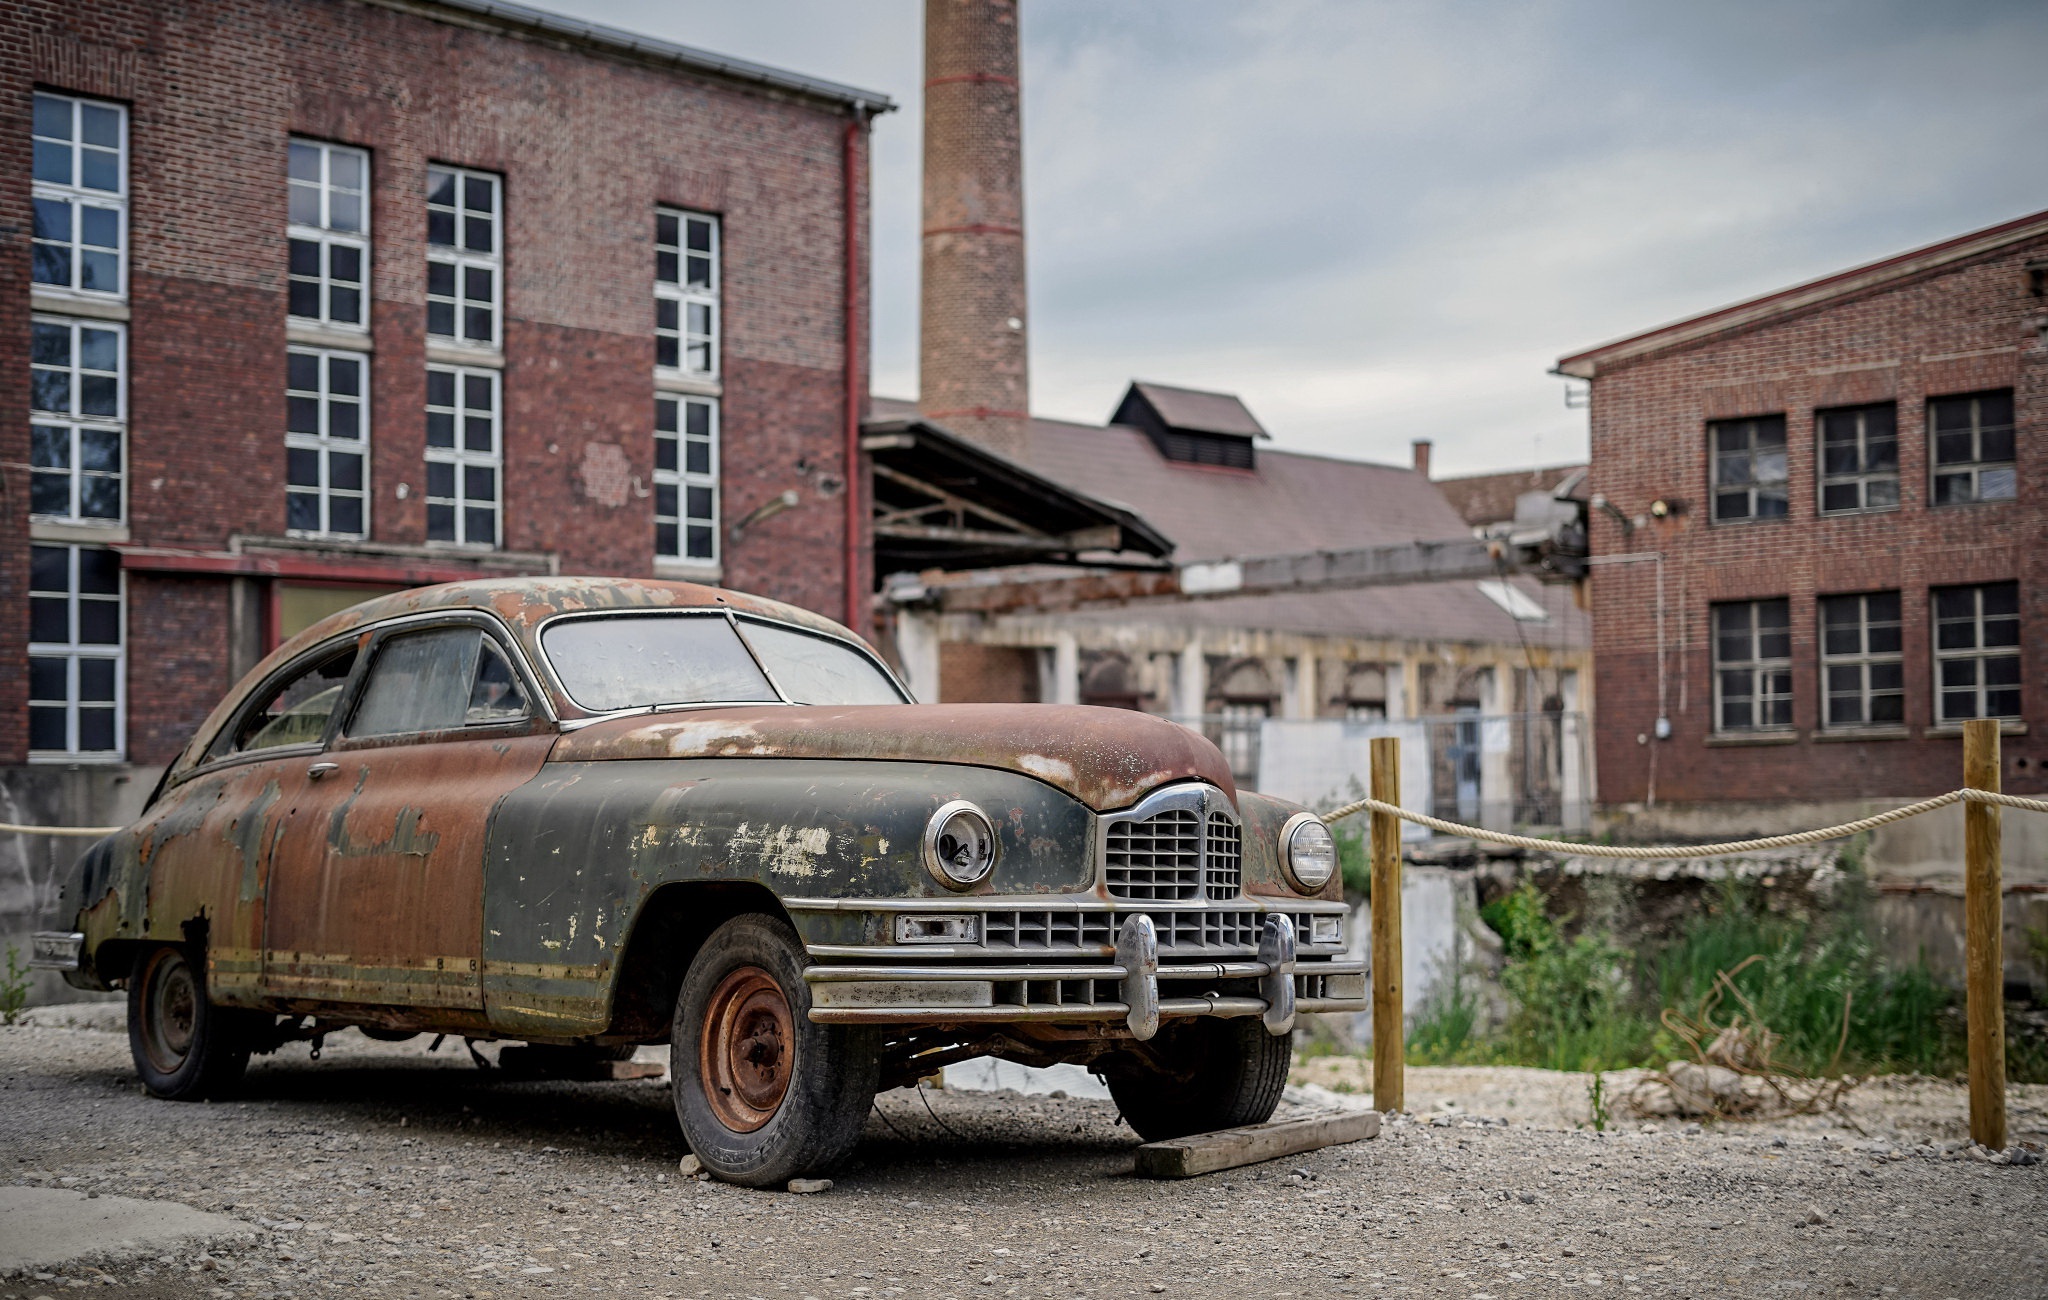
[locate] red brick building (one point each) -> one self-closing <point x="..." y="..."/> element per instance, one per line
<point x="308" y="300"/>
<point x="1821" y="543"/>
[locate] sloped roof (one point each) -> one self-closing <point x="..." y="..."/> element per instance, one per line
<point x="1197" y="411"/>
<point x="1804" y="296"/>
<point x="1490" y="498"/>
<point x="1292" y="502"/>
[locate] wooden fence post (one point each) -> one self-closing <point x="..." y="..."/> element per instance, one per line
<point x="1389" y="1075"/>
<point x="1984" y="938"/>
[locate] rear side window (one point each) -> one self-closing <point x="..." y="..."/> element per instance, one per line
<point x="294" y="713"/>
<point x="443" y="679"/>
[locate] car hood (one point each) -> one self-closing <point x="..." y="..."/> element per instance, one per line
<point x="1106" y="758"/>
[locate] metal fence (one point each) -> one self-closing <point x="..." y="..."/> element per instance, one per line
<point x="1500" y="771"/>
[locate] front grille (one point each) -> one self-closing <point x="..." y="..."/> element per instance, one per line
<point x="1224" y="852"/>
<point x="1047" y="931"/>
<point x="1157" y="860"/>
<point x="1043" y="931"/>
<point x="1057" y="993"/>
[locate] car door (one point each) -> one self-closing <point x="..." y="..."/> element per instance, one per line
<point x="376" y="878"/>
<point x="205" y="839"/>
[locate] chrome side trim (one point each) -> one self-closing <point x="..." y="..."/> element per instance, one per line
<point x="1056" y="903"/>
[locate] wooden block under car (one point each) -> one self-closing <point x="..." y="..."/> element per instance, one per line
<point x="1205" y="1153"/>
<point x="528" y="1062"/>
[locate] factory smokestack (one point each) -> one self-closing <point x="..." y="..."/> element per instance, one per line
<point x="972" y="356"/>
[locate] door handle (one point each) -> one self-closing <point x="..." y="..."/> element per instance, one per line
<point x="319" y="770"/>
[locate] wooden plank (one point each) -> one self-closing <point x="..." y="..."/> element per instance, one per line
<point x="1984" y="937"/>
<point x="1389" y="1054"/>
<point x="1230" y="1148"/>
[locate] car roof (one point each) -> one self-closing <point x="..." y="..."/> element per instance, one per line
<point x="524" y="604"/>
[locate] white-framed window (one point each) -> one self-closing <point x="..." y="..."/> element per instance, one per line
<point x="328" y="208"/>
<point x="1748" y="458"/>
<point x="1977" y="651"/>
<point x="1973" y="448"/>
<point x="1863" y="676"/>
<point x="76" y="691"/>
<point x="77" y="420"/>
<point x="465" y="255"/>
<point x="1753" y="665"/>
<point x="1859" y="458"/>
<point x="464" y="455"/>
<point x="327" y="443"/>
<point x="686" y="273"/>
<point x="686" y="477"/>
<point x="79" y="224"/>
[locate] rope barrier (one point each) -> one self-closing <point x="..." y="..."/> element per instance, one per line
<point x="1661" y="851"/>
<point x="1842" y="831"/>
<point x="62" y="832"/>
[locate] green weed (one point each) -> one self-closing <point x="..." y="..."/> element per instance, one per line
<point x="14" y="987"/>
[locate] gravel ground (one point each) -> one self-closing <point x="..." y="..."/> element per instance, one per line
<point x="383" y="1171"/>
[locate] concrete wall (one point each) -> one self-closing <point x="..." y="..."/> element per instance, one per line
<point x="33" y="868"/>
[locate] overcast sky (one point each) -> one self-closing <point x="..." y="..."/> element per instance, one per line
<point x="1381" y="221"/>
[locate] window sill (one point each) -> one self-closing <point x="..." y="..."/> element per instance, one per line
<point x="65" y="530"/>
<point x="1970" y="505"/>
<point x="695" y="385"/>
<point x="1951" y="730"/>
<point x="1858" y="514"/>
<point x="70" y="303"/>
<point x="1764" y="521"/>
<point x="1827" y="735"/>
<point x="676" y="570"/>
<point x="313" y="334"/>
<point x="1737" y="739"/>
<point x="449" y="353"/>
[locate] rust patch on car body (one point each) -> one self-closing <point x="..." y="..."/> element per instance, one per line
<point x="1106" y="758"/>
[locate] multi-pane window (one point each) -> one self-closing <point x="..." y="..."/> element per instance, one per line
<point x="1977" y="651"/>
<point x="74" y="652"/>
<point x="463" y="455"/>
<point x="1859" y="458"/>
<point x="464" y="255"/>
<point x="686" y="477"/>
<point x="1973" y="448"/>
<point x="79" y="224"/>
<point x="327" y="197"/>
<point x="1753" y="665"/>
<point x="76" y="413"/>
<point x="327" y="442"/>
<point x="1863" y="678"/>
<point x="1748" y="468"/>
<point x="686" y="292"/>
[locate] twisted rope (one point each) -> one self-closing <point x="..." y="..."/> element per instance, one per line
<point x="1662" y="851"/>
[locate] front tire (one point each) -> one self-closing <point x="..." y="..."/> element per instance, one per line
<point x="1200" y="1075"/>
<point x="185" y="1047"/>
<point x="762" y="1094"/>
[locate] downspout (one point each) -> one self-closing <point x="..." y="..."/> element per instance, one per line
<point x="850" y="306"/>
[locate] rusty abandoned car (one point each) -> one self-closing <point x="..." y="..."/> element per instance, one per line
<point x="592" y="814"/>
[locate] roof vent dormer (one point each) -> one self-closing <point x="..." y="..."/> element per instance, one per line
<point x="1192" y="427"/>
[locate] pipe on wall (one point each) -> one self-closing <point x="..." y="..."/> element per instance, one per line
<point x="850" y="306"/>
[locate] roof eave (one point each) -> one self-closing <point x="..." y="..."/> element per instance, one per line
<point x="1799" y="297"/>
<point x="516" y="18"/>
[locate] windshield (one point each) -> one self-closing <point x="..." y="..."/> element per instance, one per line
<point x="640" y="661"/>
<point x="818" y="670"/>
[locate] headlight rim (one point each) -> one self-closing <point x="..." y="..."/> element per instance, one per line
<point x="934" y="865"/>
<point x="1287" y="869"/>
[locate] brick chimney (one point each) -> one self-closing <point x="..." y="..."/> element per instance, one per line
<point x="972" y="374"/>
<point x="1421" y="448"/>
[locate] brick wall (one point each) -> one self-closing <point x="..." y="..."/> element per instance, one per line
<point x="1972" y="324"/>
<point x="588" y="143"/>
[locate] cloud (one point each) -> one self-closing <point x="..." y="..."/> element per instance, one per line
<point x="1381" y="221"/>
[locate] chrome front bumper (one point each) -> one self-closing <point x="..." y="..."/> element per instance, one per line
<point x="1127" y="989"/>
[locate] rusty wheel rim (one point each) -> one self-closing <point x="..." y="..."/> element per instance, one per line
<point x="747" y="1053"/>
<point x="170" y="1012"/>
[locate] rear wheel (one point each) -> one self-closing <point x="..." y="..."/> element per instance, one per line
<point x="762" y="1094"/>
<point x="1200" y="1075"/>
<point x="185" y="1047"/>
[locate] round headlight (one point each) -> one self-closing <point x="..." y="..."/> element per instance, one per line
<point x="960" y="845"/>
<point x="1308" y="852"/>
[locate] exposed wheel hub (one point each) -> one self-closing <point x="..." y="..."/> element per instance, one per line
<point x="747" y="1053"/>
<point x="171" y="1006"/>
